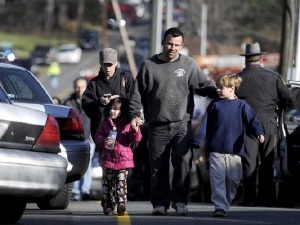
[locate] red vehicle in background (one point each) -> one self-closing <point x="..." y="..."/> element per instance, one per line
<point x="133" y="13"/>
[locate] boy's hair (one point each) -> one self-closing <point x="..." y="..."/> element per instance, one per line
<point x="229" y="81"/>
<point x="117" y="103"/>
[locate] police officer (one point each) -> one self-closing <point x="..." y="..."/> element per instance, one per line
<point x="264" y="91"/>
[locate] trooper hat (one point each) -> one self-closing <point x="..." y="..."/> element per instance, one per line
<point x="252" y="49"/>
<point x="108" y="55"/>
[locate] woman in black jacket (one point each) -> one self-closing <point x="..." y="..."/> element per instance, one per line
<point x="110" y="83"/>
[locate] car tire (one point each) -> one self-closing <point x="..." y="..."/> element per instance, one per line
<point x="60" y="201"/>
<point x="11" y="210"/>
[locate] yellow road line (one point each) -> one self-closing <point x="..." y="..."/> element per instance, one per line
<point x="124" y="220"/>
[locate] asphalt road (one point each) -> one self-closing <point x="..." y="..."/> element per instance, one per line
<point x="139" y="213"/>
<point x="69" y="73"/>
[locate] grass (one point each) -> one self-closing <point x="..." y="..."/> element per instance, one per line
<point x="22" y="43"/>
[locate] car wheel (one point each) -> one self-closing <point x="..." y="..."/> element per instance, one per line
<point x="60" y="201"/>
<point x="11" y="210"/>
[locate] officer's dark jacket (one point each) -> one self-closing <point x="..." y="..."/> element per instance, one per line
<point x="264" y="90"/>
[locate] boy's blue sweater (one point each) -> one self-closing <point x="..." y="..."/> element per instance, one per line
<point x="224" y="124"/>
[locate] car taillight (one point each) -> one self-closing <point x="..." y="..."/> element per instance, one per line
<point x="49" y="139"/>
<point x="73" y="125"/>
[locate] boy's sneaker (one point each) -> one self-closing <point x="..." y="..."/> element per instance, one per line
<point x="181" y="208"/>
<point x="220" y="213"/>
<point x="159" y="211"/>
<point x="121" y="209"/>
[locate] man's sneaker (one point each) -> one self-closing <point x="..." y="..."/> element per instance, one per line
<point x="108" y="211"/>
<point x="121" y="209"/>
<point x="159" y="210"/>
<point x="181" y="208"/>
<point x="85" y="196"/>
<point x="220" y="213"/>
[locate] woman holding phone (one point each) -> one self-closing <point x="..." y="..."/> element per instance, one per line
<point x="111" y="82"/>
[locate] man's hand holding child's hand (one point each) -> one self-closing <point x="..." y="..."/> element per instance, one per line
<point x="135" y="124"/>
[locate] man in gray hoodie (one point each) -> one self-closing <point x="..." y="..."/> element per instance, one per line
<point x="164" y="88"/>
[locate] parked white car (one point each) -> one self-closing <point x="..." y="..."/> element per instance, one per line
<point x="69" y="53"/>
<point x="24" y="89"/>
<point x="31" y="168"/>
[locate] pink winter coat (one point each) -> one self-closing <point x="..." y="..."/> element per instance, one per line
<point x="121" y="157"/>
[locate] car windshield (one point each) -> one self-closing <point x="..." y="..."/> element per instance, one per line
<point x="3" y="97"/>
<point x="21" y="86"/>
<point x="89" y="34"/>
<point x="42" y="48"/>
<point x="66" y="49"/>
<point x="293" y="113"/>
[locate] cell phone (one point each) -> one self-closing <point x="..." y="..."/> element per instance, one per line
<point x="107" y="95"/>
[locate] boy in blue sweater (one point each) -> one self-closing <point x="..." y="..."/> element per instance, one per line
<point x="223" y="128"/>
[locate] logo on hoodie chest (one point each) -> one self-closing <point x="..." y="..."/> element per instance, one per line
<point x="179" y="72"/>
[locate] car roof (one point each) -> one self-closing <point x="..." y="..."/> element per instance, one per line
<point x="68" y="46"/>
<point x="43" y="47"/>
<point x="12" y="66"/>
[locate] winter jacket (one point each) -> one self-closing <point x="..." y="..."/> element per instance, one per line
<point x="224" y="124"/>
<point x="121" y="157"/>
<point x="119" y="84"/>
<point x="264" y="90"/>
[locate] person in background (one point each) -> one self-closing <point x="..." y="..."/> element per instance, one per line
<point x="81" y="188"/>
<point x="56" y="100"/>
<point x="265" y="92"/>
<point x="164" y="89"/>
<point x="116" y="161"/>
<point x="223" y="128"/>
<point x="53" y="73"/>
<point x="110" y="82"/>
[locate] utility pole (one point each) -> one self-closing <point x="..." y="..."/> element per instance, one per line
<point x="104" y="38"/>
<point x="203" y="30"/>
<point x="80" y="13"/>
<point x="287" y="38"/>
<point x="156" y="33"/>
<point x="49" y="15"/>
<point x="169" y="19"/>
<point x="125" y="39"/>
<point x="297" y="60"/>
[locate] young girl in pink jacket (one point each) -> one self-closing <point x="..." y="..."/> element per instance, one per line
<point x="117" y="161"/>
